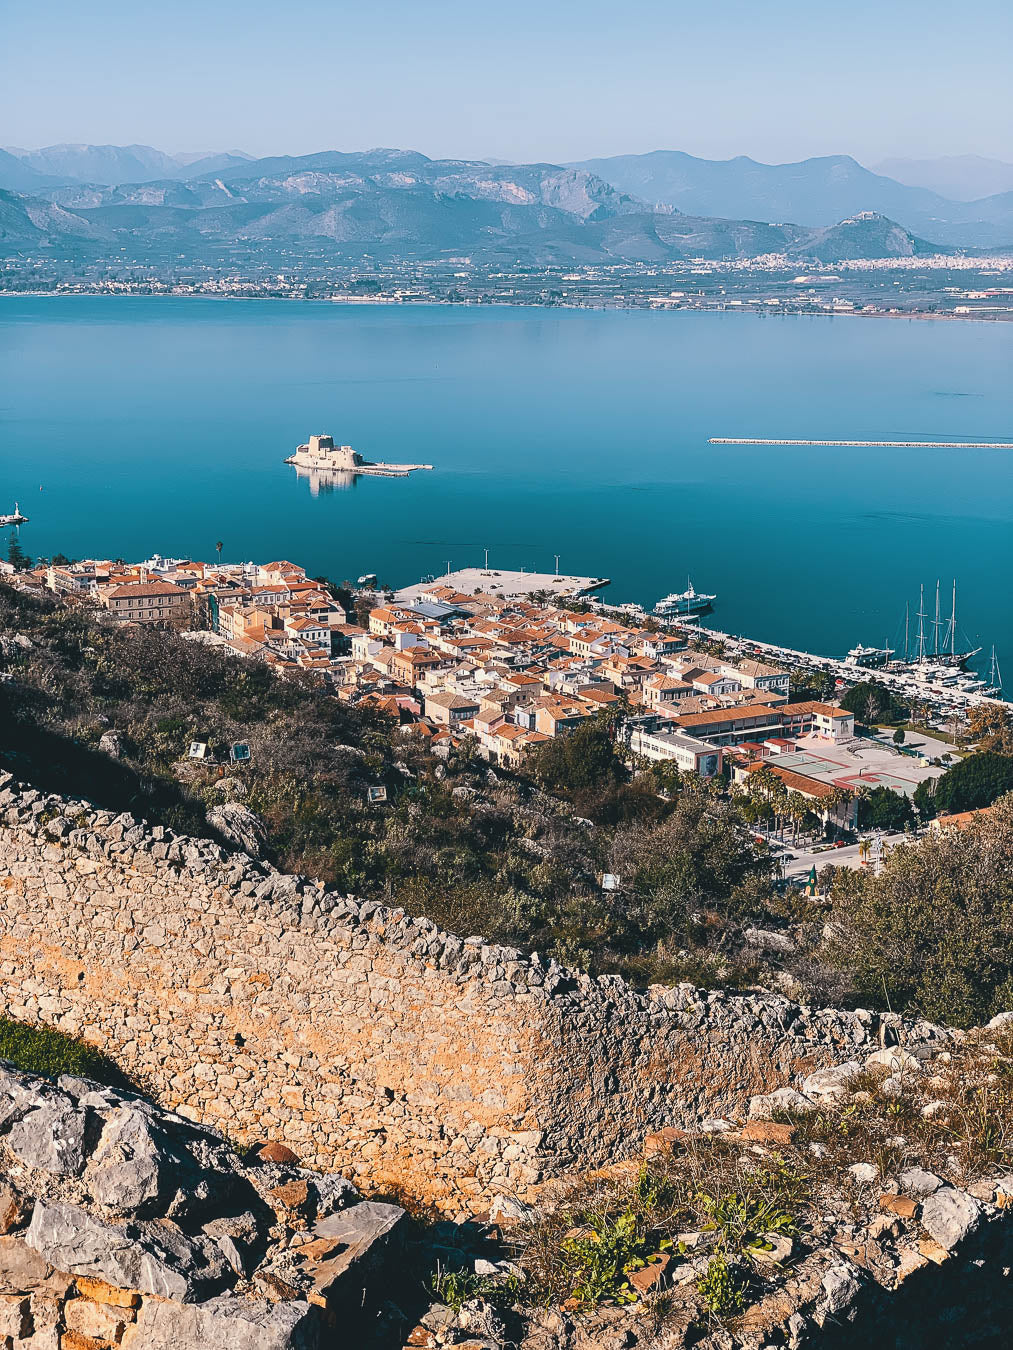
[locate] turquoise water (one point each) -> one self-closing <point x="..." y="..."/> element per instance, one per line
<point x="161" y="425"/>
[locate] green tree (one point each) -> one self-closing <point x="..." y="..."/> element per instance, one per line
<point x="583" y="760"/>
<point x="976" y="781"/>
<point x="872" y="702"/>
<point x="16" y="555"/>
<point x="899" y="736"/>
<point x="884" y="809"/>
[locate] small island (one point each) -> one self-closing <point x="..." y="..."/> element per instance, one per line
<point x="322" y="453"/>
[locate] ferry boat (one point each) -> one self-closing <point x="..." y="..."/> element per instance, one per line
<point x="15" y="517"/>
<point x="689" y="601"/>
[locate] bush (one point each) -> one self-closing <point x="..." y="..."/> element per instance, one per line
<point x="933" y="932"/>
<point x="47" y="1051"/>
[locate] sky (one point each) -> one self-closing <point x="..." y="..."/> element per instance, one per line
<point x="531" y="80"/>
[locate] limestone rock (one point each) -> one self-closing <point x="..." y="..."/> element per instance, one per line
<point x="51" y="1138"/>
<point x="112" y="743"/>
<point x="227" y="1322"/>
<point x="916" y="1181"/>
<point x="155" y="1259"/>
<point x="832" y="1083"/>
<point x="948" y="1216"/>
<point x="240" y="826"/>
<point x="125" y="1171"/>
<point x="781" y="1099"/>
<point x="840" y="1286"/>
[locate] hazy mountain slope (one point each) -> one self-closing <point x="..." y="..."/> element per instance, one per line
<point x="114" y="164"/>
<point x="814" y="192"/>
<point x="961" y="178"/>
<point x="17" y="176"/>
<point x="26" y="221"/>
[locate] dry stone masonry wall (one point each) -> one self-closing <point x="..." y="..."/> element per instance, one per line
<point x="266" y="1004"/>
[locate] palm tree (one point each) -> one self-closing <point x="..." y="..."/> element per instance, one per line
<point x="219" y="546"/>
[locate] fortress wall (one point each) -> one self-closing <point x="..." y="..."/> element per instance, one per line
<point x="270" y="1006"/>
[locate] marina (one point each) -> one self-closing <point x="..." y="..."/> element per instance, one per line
<point x="924" y="685"/>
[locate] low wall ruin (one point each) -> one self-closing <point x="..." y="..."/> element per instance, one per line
<point x="268" y="1005"/>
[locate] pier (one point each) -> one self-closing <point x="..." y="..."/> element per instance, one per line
<point x="869" y="445"/>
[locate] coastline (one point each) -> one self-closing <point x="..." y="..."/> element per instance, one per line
<point x="747" y="307"/>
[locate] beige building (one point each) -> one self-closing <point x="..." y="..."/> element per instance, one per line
<point x="158" y="603"/>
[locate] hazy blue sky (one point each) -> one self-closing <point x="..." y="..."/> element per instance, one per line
<point x="533" y="79"/>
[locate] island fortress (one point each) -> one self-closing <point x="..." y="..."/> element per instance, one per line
<point x="322" y="453"/>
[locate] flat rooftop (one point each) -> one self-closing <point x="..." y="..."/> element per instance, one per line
<point x="506" y="585"/>
<point x="860" y="764"/>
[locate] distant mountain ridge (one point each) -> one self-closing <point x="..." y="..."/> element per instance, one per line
<point x="962" y="178"/>
<point x="111" y="164"/>
<point x="816" y="193"/>
<point x="400" y="203"/>
<point x="812" y="192"/>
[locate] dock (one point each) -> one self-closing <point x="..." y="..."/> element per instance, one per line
<point x="504" y="584"/>
<point x="868" y="445"/>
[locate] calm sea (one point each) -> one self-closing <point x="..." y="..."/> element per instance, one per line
<point x="132" y="426"/>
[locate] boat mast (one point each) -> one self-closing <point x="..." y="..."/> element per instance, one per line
<point x="921" y="622"/>
<point x="953" y="623"/>
<point x="936" y="623"/>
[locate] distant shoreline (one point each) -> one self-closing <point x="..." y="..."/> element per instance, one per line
<point x="357" y="302"/>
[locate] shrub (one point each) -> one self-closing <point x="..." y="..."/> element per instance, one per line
<point x="47" y="1051"/>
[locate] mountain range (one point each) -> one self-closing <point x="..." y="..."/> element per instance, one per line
<point x="959" y="201"/>
<point x="401" y="203"/>
<point x="810" y="192"/>
<point x="106" y="164"/>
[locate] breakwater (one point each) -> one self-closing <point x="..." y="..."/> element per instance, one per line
<point x="868" y="445"/>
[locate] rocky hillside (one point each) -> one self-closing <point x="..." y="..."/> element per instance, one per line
<point x="398" y="203"/>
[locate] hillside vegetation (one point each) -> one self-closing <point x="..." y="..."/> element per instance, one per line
<point x="516" y="859"/>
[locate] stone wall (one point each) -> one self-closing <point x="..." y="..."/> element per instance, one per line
<point x="266" y="1004"/>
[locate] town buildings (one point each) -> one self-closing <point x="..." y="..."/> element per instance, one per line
<point x="503" y="673"/>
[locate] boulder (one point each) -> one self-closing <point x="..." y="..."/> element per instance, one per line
<point x="125" y="1172"/>
<point x="227" y="1322"/>
<point x="840" y="1287"/>
<point x="240" y="826"/>
<point x="112" y="743"/>
<point x="916" y="1181"/>
<point x="894" y="1059"/>
<point x="51" y="1138"/>
<point x="832" y="1083"/>
<point x="152" y="1258"/>
<point x="949" y="1215"/>
<point x="768" y="941"/>
<point x="781" y="1099"/>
